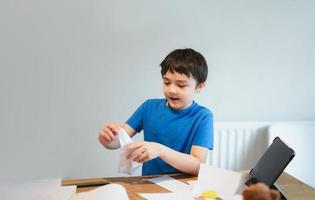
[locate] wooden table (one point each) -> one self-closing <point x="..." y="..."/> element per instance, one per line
<point x="292" y="187"/>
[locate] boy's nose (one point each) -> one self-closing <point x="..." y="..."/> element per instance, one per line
<point x="173" y="90"/>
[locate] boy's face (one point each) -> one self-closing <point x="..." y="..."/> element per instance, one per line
<point x="180" y="89"/>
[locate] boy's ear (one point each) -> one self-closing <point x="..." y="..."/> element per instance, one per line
<point x="200" y="86"/>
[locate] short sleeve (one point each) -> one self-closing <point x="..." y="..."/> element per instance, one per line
<point x="136" y="119"/>
<point x="204" y="132"/>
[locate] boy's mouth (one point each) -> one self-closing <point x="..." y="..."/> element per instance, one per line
<point x="173" y="98"/>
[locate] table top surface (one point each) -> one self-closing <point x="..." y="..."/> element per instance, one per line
<point x="292" y="187"/>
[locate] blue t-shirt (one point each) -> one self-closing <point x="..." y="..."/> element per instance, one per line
<point x="176" y="129"/>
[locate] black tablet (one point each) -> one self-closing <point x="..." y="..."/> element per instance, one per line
<point x="272" y="163"/>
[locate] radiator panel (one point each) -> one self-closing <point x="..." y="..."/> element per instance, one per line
<point x="238" y="146"/>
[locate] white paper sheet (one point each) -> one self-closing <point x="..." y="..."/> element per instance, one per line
<point x="36" y="190"/>
<point x="108" y="192"/>
<point x="126" y="166"/>
<point x="170" y="183"/>
<point x="224" y="182"/>
<point x="191" y="184"/>
<point x="179" y="195"/>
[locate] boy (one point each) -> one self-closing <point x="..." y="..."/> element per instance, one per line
<point x="177" y="131"/>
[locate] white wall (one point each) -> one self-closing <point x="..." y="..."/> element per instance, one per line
<point x="67" y="66"/>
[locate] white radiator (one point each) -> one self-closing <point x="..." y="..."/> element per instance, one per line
<point x="238" y="145"/>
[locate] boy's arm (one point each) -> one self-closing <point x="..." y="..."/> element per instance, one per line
<point x="187" y="163"/>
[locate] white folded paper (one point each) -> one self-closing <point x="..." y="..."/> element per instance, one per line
<point x="225" y="182"/>
<point x="126" y="166"/>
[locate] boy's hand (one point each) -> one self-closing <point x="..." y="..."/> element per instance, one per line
<point x="108" y="134"/>
<point x="143" y="151"/>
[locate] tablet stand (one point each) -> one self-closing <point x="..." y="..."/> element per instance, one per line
<point x="275" y="186"/>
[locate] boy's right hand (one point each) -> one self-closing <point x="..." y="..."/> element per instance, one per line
<point x="108" y="134"/>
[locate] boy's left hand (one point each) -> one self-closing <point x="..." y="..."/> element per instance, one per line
<point x="143" y="151"/>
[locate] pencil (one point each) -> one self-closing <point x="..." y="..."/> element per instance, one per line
<point x="90" y="184"/>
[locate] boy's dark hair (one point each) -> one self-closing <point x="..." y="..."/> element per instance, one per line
<point x="186" y="61"/>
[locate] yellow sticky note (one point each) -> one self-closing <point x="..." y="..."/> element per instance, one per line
<point x="209" y="194"/>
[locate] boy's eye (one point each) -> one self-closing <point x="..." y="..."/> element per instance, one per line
<point x="181" y="86"/>
<point x="166" y="83"/>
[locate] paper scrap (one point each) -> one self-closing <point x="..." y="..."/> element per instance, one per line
<point x="126" y="166"/>
<point x="182" y="195"/>
<point x="170" y="183"/>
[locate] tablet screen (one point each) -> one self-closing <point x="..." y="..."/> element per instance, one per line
<point x="272" y="163"/>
